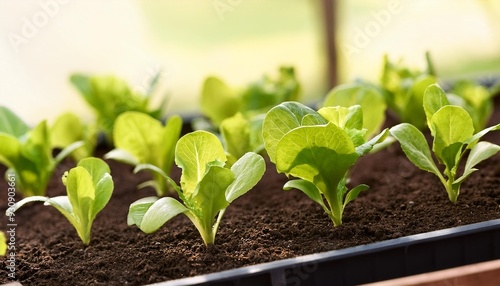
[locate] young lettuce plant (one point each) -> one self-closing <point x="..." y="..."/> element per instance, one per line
<point x="27" y="153"/>
<point x="110" y="96"/>
<point x="68" y="128"/>
<point x="318" y="148"/>
<point x="89" y="187"/>
<point x="453" y="131"/>
<point x="404" y="90"/>
<point x="141" y="139"/>
<point x="207" y="186"/>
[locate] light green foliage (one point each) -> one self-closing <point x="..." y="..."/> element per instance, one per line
<point x="241" y="135"/>
<point x="207" y="188"/>
<point x="475" y="99"/>
<point x="237" y="113"/>
<point x="453" y="131"/>
<point x="110" y="96"/>
<point x="28" y="153"/>
<point x="89" y="187"/>
<point x="318" y="148"/>
<point x="369" y="98"/>
<point x="404" y="90"/>
<point x="3" y="244"/>
<point x="68" y="128"/>
<point x="142" y="139"/>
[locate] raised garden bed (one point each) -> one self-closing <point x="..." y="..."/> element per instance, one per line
<point x="268" y="224"/>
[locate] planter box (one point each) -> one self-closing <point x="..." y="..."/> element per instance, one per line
<point x="384" y="260"/>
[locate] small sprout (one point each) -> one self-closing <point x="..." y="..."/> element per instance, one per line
<point x="453" y="131"/>
<point x="89" y="187"/>
<point x="207" y="186"/>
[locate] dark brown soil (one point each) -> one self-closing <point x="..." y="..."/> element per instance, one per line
<point x="265" y="225"/>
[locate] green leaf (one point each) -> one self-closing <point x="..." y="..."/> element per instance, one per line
<point x="450" y="124"/>
<point x="101" y="179"/>
<point x="192" y="154"/>
<point x="434" y="99"/>
<point x="209" y="197"/>
<point x="451" y="155"/>
<point x="415" y="146"/>
<point x="368" y="146"/>
<point x="344" y="117"/>
<point x="159" y="171"/>
<point x="157" y="214"/>
<point x="354" y="193"/>
<point x="248" y="171"/>
<point x="218" y="101"/>
<point x="11" y="124"/>
<point x="480" y="152"/>
<point x="307" y="188"/>
<point x="235" y="133"/>
<point x="138" y="209"/>
<point x="318" y="154"/>
<point x="171" y="134"/>
<point x="10" y="151"/>
<point x="370" y="99"/>
<point x="280" y="120"/>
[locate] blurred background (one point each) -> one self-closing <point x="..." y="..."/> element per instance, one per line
<point x="45" y="41"/>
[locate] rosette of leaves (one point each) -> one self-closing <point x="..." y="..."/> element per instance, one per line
<point x="318" y="148"/>
<point x="27" y="153"/>
<point x="207" y="186"/>
<point x="454" y="139"/>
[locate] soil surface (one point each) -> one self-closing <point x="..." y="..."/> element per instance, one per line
<point x="265" y="225"/>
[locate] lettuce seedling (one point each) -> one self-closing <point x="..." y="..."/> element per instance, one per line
<point x="318" y="148"/>
<point x="475" y="99"/>
<point x="241" y="135"/>
<point x="453" y="131"/>
<point x="141" y="139"/>
<point x="68" y="128"/>
<point x="219" y="101"/>
<point x="207" y="186"/>
<point x="110" y="96"/>
<point x="27" y="153"/>
<point x="89" y="187"/>
<point x="372" y="103"/>
<point x="404" y="90"/>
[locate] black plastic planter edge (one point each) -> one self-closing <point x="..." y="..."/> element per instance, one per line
<point x="378" y="261"/>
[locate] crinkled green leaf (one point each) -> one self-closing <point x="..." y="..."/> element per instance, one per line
<point x="192" y="154"/>
<point x="371" y="101"/>
<point x="280" y="120"/>
<point x="415" y="146"/>
<point x="450" y="124"/>
<point x="248" y="171"/>
<point x="344" y="117"/>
